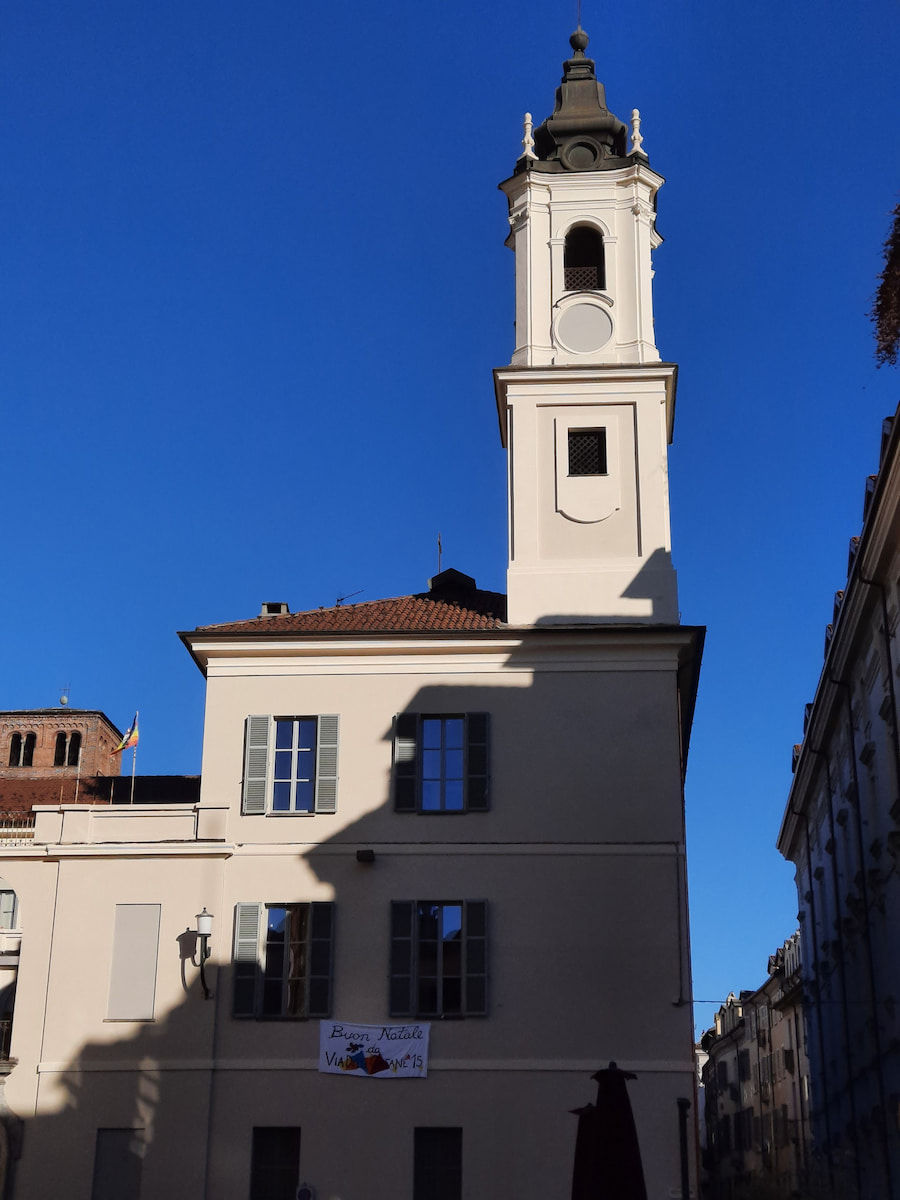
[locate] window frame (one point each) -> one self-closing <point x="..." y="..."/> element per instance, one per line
<point x="437" y="1161"/>
<point x="409" y="955"/>
<point x="408" y="763"/>
<point x="250" y="961"/>
<point x="260" y="750"/>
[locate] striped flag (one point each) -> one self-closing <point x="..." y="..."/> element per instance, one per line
<point x="130" y="738"/>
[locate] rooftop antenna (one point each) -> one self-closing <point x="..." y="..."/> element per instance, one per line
<point x="340" y="600"/>
<point x="440" y="552"/>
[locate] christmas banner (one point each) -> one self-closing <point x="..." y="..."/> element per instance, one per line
<point x="375" y="1051"/>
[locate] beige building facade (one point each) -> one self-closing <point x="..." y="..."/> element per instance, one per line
<point x="424" y="815"/>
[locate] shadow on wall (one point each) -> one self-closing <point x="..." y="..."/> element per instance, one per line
<point x="564" y="771"/>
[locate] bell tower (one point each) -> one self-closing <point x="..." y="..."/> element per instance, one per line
<point x="586" y="407"/>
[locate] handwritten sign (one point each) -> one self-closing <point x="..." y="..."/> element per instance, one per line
<point x="374" y="1051"/>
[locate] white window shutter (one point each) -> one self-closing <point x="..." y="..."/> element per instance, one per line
<point x="327" y="764"/>
<point x="247" y="922"/>
<point x="256" y="765"/>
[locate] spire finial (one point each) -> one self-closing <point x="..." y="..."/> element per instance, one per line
<point x="528" y="139"/>
<point x="637" y="139"/>
<point x="579" y="41"/>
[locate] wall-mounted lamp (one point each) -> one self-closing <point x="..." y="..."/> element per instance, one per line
<point x="365" y="856"/>
<point x="204" y="933"/>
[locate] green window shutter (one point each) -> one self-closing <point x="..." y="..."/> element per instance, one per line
<point x="247" y="921"/>
<point x="406" y="762"/>
<point x="476" y="957"/>
<point x="477" y="762"/>
<point x="256" y="764"/>
<point x="321" y="958"/>
<point x="402" y="929"/>
<point x="327" y="764"/>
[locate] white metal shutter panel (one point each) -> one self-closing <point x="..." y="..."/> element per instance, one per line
<point x="327" y="764"/>
<point x="247" y="920"/>
<point x="256" y="764"/>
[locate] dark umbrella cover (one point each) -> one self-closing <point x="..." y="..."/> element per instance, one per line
<point x="607" y="1155"/>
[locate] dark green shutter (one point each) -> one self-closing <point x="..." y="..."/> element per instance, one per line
<point x="321" y="958"/>
<point x="246" y="958"/>
<point x="477" y="762"/>
<point x="402" y="930"/>
<point x="475" y="931"/>
<point x="406" y="762"/>
<point x="256" y="764"/>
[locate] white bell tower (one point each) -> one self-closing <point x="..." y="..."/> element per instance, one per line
<point x="586" y="407"/>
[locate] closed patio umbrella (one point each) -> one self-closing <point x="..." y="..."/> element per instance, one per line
<point x="607" y="1155"/>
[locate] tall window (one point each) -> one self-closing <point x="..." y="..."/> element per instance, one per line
<point x="21" y="749"/>
<point x="275" y="1162"/>
<point x="441" y="763"/>
<point x="585" y="268"/>
<point x="437" y="1163"/>
<point x="294" y="787"/>
<point x="282" y="960"/>
<point x="59" y="756"/>
<point x="438" y="958"/>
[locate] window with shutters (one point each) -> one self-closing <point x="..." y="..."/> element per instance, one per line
<point x="290" y="765"/>
<point x="441" y="763"/>
<point x="283" y="960"/>
<point x="438" y="958"/>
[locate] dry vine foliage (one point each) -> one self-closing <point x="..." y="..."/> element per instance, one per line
<point x="886" y="308"/>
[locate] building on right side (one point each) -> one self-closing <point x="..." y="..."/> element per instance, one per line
<point x="841" y="830"/>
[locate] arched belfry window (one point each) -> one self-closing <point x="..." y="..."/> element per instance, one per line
<point x="585" y="269"/>
<point x="21" y="749"/>
<point x="74" y="750"/>
<point x="59" y="755"/>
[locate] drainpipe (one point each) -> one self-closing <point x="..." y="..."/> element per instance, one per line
<point x="845" y="1008"/>
<point x="683" y="1107"/>
<point x="813" y="942"/>
<point x="867" y="936"/>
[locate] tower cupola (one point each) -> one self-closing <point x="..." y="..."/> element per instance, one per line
<point x="582" y="134"/>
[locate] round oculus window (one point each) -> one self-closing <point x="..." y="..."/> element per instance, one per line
<point x="584" y="328"/>
<point x="580" y="155"/>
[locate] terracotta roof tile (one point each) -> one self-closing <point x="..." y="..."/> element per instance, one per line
<point x="428" y="611"/>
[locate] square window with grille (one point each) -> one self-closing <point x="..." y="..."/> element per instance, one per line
<point x="587" y="452"/>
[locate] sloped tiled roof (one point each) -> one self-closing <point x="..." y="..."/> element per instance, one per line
<point x="18" y="795"/>
<point x="449" y="605"/>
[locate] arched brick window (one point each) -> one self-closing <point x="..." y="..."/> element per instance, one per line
<point x="59" y="755"/>
<point x="21" y="749"/>
<point x="74" y="750"/>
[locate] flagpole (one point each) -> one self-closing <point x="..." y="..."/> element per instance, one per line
<point x="133" y="764"/>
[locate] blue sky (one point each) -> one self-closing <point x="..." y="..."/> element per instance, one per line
<point x="253" y="287"/>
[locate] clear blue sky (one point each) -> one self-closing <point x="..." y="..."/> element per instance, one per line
<point x="252" y="287"/>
